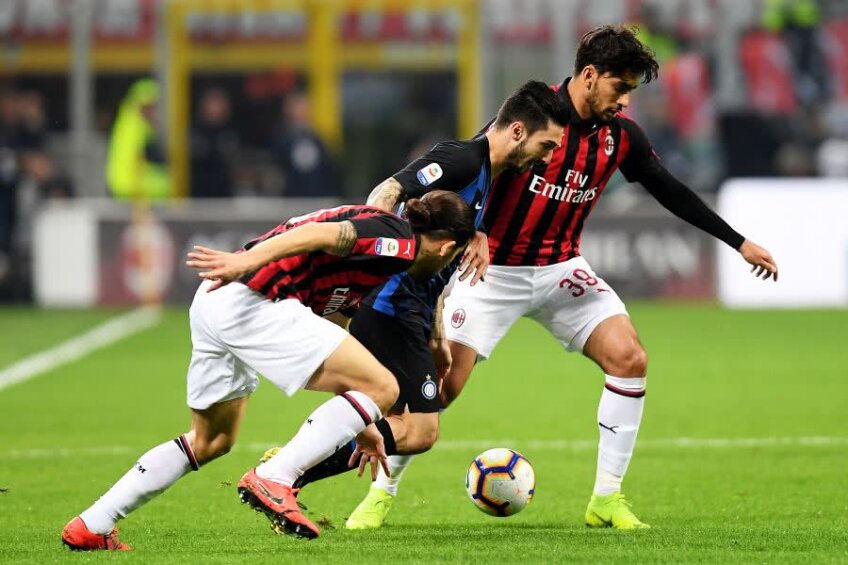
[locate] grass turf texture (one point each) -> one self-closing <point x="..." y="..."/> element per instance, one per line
<point x="713" y="374"/>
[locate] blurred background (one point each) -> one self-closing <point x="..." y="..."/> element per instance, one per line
<point x="132" y="129"/>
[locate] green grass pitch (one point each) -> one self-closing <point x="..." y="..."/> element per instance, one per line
<point x="65" y="436"/>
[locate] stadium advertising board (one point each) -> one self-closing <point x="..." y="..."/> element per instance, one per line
<point x="802" y="222"/>
<point x="119" y="257"/>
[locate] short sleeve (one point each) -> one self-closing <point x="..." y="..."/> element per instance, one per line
<point x="449" y="165"/>
<point x="384" y="236"/>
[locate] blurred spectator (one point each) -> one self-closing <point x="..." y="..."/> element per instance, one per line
<point x="798" y="21"/>
<point x="213" y="146"/>
<point x="40" y="182"/>
<point x="832" y="154"/>
<point x="654" y="33"/>
<point x="32" y="121"/>
<point x="794" y="160"/>
<point x="136" y="163"/>
<point x="301" y="154"/>
<point x="9" y="174"/>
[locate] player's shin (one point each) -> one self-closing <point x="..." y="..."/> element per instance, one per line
<point x="619" y="416"/>
<point x="330" y="427"/>
<point x="152" y="474"/>
<point x="397" y="465"/>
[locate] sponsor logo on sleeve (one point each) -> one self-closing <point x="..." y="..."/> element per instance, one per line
<point x="387" y="246"/>
<point x="429" y="174"/>
<point x="408" y="251"/>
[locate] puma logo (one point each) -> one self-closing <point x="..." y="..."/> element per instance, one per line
<point x="610" y="428"/>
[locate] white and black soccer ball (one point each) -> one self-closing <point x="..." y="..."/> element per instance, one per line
<point x="500" y="482"/>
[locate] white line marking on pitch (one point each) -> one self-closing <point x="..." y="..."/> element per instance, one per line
<point x="462" y="445"/>
<point x="76" y="348"/>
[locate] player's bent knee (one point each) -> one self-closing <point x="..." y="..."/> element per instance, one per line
<point x="631" y="362"/>
<point x="383" y="389"/>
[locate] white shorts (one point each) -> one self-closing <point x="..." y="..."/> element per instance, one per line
<point x="237" y="334"/>
<point x="568" y="299"/>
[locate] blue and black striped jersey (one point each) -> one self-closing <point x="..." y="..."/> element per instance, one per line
<point x="459" y="166"/>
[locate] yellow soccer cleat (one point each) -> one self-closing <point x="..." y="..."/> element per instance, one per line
<point x="269" y="454"/>
<point x="612" y="511"/>
<point x="372" y="511"/>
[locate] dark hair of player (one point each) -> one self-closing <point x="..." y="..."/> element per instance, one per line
<point x="533" y="104"/>
<point x="615" y="49"/>
<point x="443" y="215"/>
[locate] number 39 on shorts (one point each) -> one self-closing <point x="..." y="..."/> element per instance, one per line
<point x="579" y="281"/>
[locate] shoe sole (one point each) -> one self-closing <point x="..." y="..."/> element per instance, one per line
<point x="73" y="547"/>
<point x="279" y="522"/>
<point x="595" y="521"/>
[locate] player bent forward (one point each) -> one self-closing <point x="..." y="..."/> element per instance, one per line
<point x="270" y="322"/>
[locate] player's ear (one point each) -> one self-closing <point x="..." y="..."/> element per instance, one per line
<point x="447" y="248"/>
<point x="517" y="131"/>
<point x="589" y="74"/>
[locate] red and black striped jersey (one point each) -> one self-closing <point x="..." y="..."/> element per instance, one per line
<point x="536" y="217"/>
<point x="327" y="283"/>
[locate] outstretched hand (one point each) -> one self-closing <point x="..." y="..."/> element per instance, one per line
<point x="476" y="259"/>
<point x="220" y="267"/>
<point x="370" y="448"/>
<point x="763" y="265"/>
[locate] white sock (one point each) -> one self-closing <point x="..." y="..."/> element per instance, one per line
<point x="397" y="465"/>
<point x="619" y="416"/>
<point x="154" y="472"/>
<point x="330" y="426"/>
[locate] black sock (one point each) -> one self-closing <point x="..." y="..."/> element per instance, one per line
<point x="335" y="464"/>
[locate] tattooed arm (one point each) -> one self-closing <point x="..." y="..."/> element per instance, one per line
<point x="386" y="195"/>
<point x="337" y="238"/>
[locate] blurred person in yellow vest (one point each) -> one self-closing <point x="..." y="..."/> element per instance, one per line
<point x="777" y="14"/>
<point x="798" y="22"/>
<point x="653" y="32"/>
<point x="136" y="165"/>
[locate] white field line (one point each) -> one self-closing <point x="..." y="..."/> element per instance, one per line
<point x="463" y="445"/>
<point x="76" y="348"/>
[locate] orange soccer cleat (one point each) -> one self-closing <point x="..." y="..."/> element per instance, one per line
<point x="78" y="537"/>
<point x="278" y="502"/>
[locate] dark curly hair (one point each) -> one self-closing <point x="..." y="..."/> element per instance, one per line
<point x="615" y="49"/>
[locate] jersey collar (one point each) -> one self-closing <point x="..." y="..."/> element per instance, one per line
<point x="574" y="117"/>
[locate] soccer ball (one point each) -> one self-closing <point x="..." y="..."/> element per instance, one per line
<point x="500" y="482"/>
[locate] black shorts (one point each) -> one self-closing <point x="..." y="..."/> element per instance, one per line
<point x="404" y="349"/>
